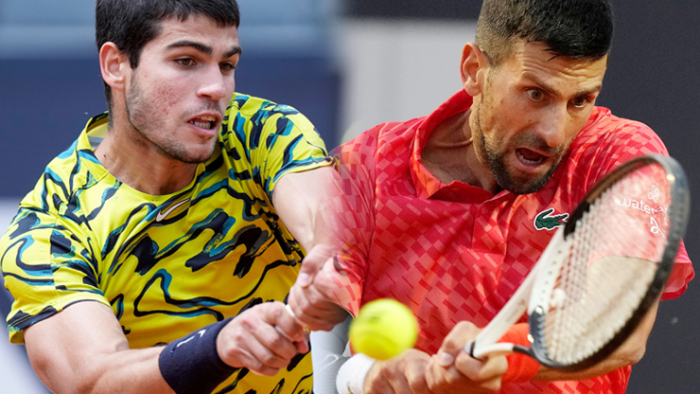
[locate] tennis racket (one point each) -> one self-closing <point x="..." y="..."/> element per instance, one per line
<point x="601" y="272"/>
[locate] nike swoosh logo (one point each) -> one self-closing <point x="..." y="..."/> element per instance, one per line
<point x="162" y="215"/>
<point x="200" y="332"/>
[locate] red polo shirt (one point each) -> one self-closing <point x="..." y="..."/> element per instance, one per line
<point x="454" y="252"/>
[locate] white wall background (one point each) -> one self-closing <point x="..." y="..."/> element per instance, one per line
<point x="397" y="70"/>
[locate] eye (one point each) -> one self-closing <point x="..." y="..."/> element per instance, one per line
<point x="535" y="94"/>
<point x="185" y="62"/>
<point x="580" y="102"/>
<point x="227" y="67"/>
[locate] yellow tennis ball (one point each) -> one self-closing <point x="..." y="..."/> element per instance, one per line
<point x="383" y="329"/>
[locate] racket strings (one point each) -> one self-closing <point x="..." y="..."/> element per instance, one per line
<point x="610" y="266"/>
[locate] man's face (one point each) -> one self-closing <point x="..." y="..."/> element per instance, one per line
<point x="177" y="95"/>
<point x="530" y="110"/>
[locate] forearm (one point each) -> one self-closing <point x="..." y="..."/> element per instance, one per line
<point x="629" y="353"/>
<point x="126" y="371"/>
<point x="83" y="350"/>
<point x="302" y="202"/>
<point x="602" y="368"/>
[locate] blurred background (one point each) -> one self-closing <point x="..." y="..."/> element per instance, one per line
<point x="348" y="65"/>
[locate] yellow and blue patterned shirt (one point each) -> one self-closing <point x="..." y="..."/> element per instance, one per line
<point x="169" y="264"/>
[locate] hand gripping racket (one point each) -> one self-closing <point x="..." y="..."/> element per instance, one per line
<point x="602" y="271"/>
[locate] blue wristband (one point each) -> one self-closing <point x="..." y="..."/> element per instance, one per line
<point x="192" y="365"/>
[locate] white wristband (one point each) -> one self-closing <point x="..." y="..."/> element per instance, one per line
<point x="351" y="377"/>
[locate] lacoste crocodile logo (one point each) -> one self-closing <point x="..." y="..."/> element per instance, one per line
<point x="546" y="221"/>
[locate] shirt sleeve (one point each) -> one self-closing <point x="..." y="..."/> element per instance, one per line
<point x="615" y="142"/>
<point x="276" y="139"/>
<point x="681" y="274"/>
<point x="355" y="214"/>
<point x="46" y="267"/>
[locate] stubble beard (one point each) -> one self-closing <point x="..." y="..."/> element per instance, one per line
<point x="140" y="114"/>
<point x="497" y="163"/>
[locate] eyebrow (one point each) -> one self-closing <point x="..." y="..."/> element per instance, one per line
<point x="205" y="49"/>
<point x="552" y="91"/>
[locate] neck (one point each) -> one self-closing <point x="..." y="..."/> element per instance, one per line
<point x="136" y="162"/>
<point x="450" y="155"/>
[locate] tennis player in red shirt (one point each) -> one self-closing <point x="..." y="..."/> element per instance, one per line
<point x="448" y="213"/>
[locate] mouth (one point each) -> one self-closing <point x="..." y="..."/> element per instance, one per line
<point x="530" y="158"/>
<point x="205" y="122"/>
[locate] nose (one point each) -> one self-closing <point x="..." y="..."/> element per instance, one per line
<point x="216" y="85"/>
<point x="552" y="125"/>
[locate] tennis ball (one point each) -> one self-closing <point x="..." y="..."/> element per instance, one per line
<point x="383" y="329"/>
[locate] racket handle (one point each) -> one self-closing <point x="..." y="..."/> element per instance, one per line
<point x="515" y="346"/>
<point x="291" y="313"/>
<point x="497" y="349"/>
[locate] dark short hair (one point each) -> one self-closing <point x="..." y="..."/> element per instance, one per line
<point x="130" y="24"/>
<point x="577" y="29"/>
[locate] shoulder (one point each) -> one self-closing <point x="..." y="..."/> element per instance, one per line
<point x="245" y="108"/>
<point x="607" y="141"/>
<point x="59" y="182"/>
<point x="376" y="151"/>
<point x="607" y="131"/>
<point x="252" y="122"/>
<point x="250" y="105"/>
<point x="602" y="145"/>
<point x="76" y="169"/>
<point x="71" y="175"/>
<point x="385" y="137"/>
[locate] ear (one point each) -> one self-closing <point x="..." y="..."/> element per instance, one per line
<point x="474" y="68"/>
<point x="113" y="65"/>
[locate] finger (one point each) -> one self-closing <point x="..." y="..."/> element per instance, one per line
<point x="329" y="287"/>
<point x="266" y="371"/>
<point x="256" y="366"/>
<point x="440" y="378"/>
<point x="312" y="263"/>
<point x="429" y="373"/>
<point x="285" y="321"/>
<point x="491" y="385"/>
<point x="271" y="348"/>
<point x="397" y="377"/>
<point x="379" y="387"/>
<point x="313" y="310"/>
<point x="454" y="342"/>
<point x="400" y="385"/>
<point x="481" y="370"/>
<point x="321" y="312"/>
<point x="419" y="386"/>
<point x="295" y="299"/>
<point x="320" y="324"/>
<point x="275" y="329"/>
<point x="376" y="382"/>
<point x="299" y="304"/>
<point x="302" y="346"/>
<point x="416" y="372"/>
<point x="243" y="349"/>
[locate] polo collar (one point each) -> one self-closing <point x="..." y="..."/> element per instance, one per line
<point x="425" y="183"/>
